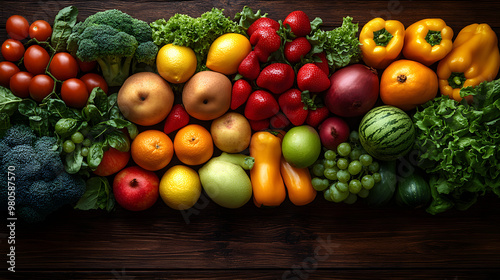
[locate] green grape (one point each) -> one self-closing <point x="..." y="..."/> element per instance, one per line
<point x="343" y="176"/>
<point x="84" y="151"/>
<point x="341" y="186"/>
<point x="327" y="194"/>
<point x="355" y="167"/>
<point x="338" y="196"/>
<point x="330" y="174"/>
<point x="368" y="182"/>
<point x="68" y="146"/>
<point x="373" y="167"/>
<point x="319" y="184"/>
<point x="355" y="154"/>
<point x="330" y="154"/>
<point x="355" y="186"/>
<point x="363" y="193"/>
<point x="87" y="142"/>
<point x="344" y="149"/>
<point x="342" y="163"/>
<point x="329" y="163"/>
<point x="354" y="137"/>
<point x="318" y="169"/>
<point x="377" y="177"/>
<point x="366" y="159"/>
<point x="77" y="137"/>
<point x="351" y="199"/>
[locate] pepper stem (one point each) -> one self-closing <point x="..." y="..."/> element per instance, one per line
<point x="433" y="37"/>
<point x="456" y="80"/>
<point x="382" y="37"/>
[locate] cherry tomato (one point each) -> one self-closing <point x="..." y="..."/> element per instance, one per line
<point x="63" y="66"/>
<point x="40" y="30"/>
<point x="17" y="27"/>
<point x="86" y="66"/>
<point x="12" y="50"/>
<point x="7" y="70"/>
<point x="41" y="86"/>
<point x="19" y="84"/>
<point x="93" y="80"/>
<point x="74" y="93"/>
<point x="36" y="59"/>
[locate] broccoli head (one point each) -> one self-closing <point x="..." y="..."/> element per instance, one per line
<point x="41" y="184"/>
<point x="19" y="134"/>
<point x="115" y="40"/>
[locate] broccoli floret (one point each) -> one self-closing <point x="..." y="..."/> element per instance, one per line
<point x="111" y="38"/>
<point x="41" y="184"/>
<point x="19" y="134"/>
<point x="145" y="57"/>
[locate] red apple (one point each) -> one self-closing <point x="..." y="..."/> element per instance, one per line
<point x="112" y="162"/>
<point x="333" y="131"/>
<point x="135" y="188"/>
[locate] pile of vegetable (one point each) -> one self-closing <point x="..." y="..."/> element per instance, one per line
<point x="378" y="99"/>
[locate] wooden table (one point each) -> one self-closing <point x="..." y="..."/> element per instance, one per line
<point x="319" y="241"/>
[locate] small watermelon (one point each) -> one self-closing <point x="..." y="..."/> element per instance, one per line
<point x="387" y="132"/>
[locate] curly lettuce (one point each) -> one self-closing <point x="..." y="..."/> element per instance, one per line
<point x="459" y="146"/>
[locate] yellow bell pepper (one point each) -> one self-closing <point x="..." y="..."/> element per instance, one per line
<point x="381" y="42"/>
<point x="298" y="183"/>
<point x="475" y="58"/>
<point x="428" y="41"/>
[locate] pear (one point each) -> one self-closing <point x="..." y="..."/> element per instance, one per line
<point x="225" y="180"/>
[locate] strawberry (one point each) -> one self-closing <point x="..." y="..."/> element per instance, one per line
<point x="263" y="22"/>
<point x="177" y="118"/>
<point x="316" y="116"/>
<point x="276" y="77"/>
<point x="261" y="105"/>
<point x="297" y="49"/>
<point x="310" y="77"/>
<point x="240" y="92"/>
<point x="266" y="41"/>
<point x="250" y="66"/>
<point x="279" y="121"/>
<point x="293" y="107"/>
<point x="299" y="23"/>
<point x="259" y="125"/>
<point x="323" y="65"/>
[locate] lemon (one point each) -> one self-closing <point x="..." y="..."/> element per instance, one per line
<point x="180" y="187"/>
<point x="176" y="64"/>
<point x="227" y="52"/>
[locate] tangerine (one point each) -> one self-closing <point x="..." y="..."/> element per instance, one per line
<point x="193" y="144"/>
<point x="152" y="150"/>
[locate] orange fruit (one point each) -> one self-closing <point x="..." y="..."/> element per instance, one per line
<point x="193" y="144"/>
<point x="152" y="150"/>
<point x="407" y="84"/>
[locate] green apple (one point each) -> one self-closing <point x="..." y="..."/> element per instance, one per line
<point x="301" y="146"/>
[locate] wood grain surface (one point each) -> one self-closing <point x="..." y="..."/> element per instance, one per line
<point x="319" y="241"/>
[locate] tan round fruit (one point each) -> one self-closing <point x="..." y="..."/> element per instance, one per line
<point x="231" y="132"/>
<point x="207" y="95"/>
<point x="145" y="98"/>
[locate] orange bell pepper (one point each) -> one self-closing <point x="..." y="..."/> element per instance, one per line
<point x="381" y="42"/>
<point x="298" y="183"/>
<point x="267" y="184"/>
<point x="428" y="41"/>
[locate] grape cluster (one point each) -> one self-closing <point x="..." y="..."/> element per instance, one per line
<point x="77" y="139"/>
<point x="345" y="173"/>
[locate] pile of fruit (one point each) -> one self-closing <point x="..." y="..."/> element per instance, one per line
<point x="250" y="108"/>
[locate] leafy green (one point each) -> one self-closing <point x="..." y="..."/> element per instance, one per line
<point x="63" y="25"/>
<point x="8" y="106"/>
<point x="246" y="17"/>
<point x="98" y="195"/>
<point x="459" y="146"/>
<point x="341" y="45"/>
<point x="196" y="33"/>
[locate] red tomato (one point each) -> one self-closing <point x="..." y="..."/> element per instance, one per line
<point x="63" y="66"/>
<point x="7" y="70"/>
<point x="93" y="80"/>
<point x="41" y="86"/>
<point x="86" y="66"/>
<point x="19" y="84"/>
<point x="36" y="59"/>
<point x="74" y="93"/>
<point x="12" y="50"/>
<point x="40" y="30"/>
<point x="17" y="27"/>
